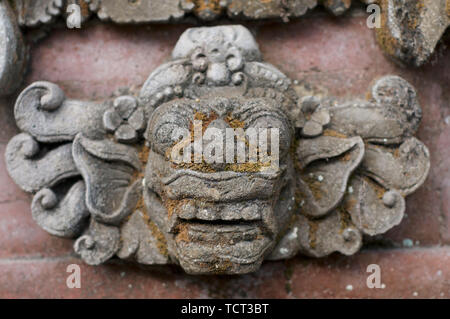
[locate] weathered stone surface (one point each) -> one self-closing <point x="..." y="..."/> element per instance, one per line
<point x="36" y="12"/>
<point x="61" y="217"/>
<point x="13" y="54"/>
<point x="43" y="111"/>
<point x="98" y="244"/>
<point x="411" y="29"/>
<point x="25" y="158"/>
<point x="124" y="11"/>
<point x="409" y="32"/>
<point x="219" y="218"/>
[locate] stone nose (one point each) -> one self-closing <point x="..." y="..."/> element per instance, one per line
<point x="218" y="73"/>
<point x="214" y="144"/>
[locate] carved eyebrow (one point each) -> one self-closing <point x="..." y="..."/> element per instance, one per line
<point x="248" y="113"/>
<point x="159" y="115"/>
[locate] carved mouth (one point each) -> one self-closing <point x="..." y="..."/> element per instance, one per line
<point x="221" y="242"/>
<point x="216" y="217"/>
<point x="234" y="233"/>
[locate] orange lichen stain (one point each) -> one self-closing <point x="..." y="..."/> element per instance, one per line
<point x="206" y="5"/>
<point x="333" y="133"/>
<point x="234" y="123"/>
<point x="247" y="167"/>
<point x="205" y="119"/>
<point x="84" y="8"/>
<point x="172" y="204"/>
<point x="349" y="204"/>
<point x="345" y="218"/>
<point x="161" y="242"/>
<point x="222" y="266"/>
<point x="347" y="3"/>
<point x="182" y="233"/>
<point x="396" y="153"/>
<point x="203" y="166"/>
<point x="199" y="167"/>
<point x="313" y="227"/>
<point x="410" y="23"/>
<point x="383" y="36"/>
<point x="347" y="157"/>
<point x="447" y="8"/>
<point x="314" y="186"/>
<point x="143" y="154"/>
<point x="413" y="19"/>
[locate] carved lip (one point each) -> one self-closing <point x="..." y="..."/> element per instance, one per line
<point x="221" y="176"/>
<point x="221" y="186"/>
<point x="220" y="231"/>
<point x="259" y="247"/>
<point x="235" y="242"/>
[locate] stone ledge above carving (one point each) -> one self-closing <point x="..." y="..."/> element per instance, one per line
<point x="409" y="33"/>
<point x="103" y="173"/>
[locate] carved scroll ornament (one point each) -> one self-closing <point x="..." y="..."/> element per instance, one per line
<point x="101" y="173"/>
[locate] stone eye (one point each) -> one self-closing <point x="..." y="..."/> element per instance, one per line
<point x="167" y="135"/>
<point x="167" y="130"/>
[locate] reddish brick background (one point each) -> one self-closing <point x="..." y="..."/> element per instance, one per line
<point x="336" y="56"/>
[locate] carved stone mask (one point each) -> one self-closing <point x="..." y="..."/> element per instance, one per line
<point x="107" y="171"/>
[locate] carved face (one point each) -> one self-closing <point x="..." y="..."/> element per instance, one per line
<point x="218" y="217"/>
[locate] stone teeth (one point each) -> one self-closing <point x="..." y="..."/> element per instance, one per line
<point x="206" y="214"/>
<point x="228" y="213"/>
<point x="187" y="211"/>
<point x="251" y="213"/>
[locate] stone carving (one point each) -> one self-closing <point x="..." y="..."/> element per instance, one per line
<point x="410" y="30"/>
<point x="12" y="51"/>
<point x="124" y="11"/>
<point x="103" y="172"/>
<point x="36" y="12"/>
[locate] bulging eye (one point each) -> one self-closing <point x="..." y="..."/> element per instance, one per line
<point x="168" y="135"/>
<point x="168" y="129"/>
<point x="274" y="128"/>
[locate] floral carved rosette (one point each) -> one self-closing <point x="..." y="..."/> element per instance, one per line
<point x="100" y="172"/>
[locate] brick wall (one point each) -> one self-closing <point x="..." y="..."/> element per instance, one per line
<point x="336" y="56"/>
